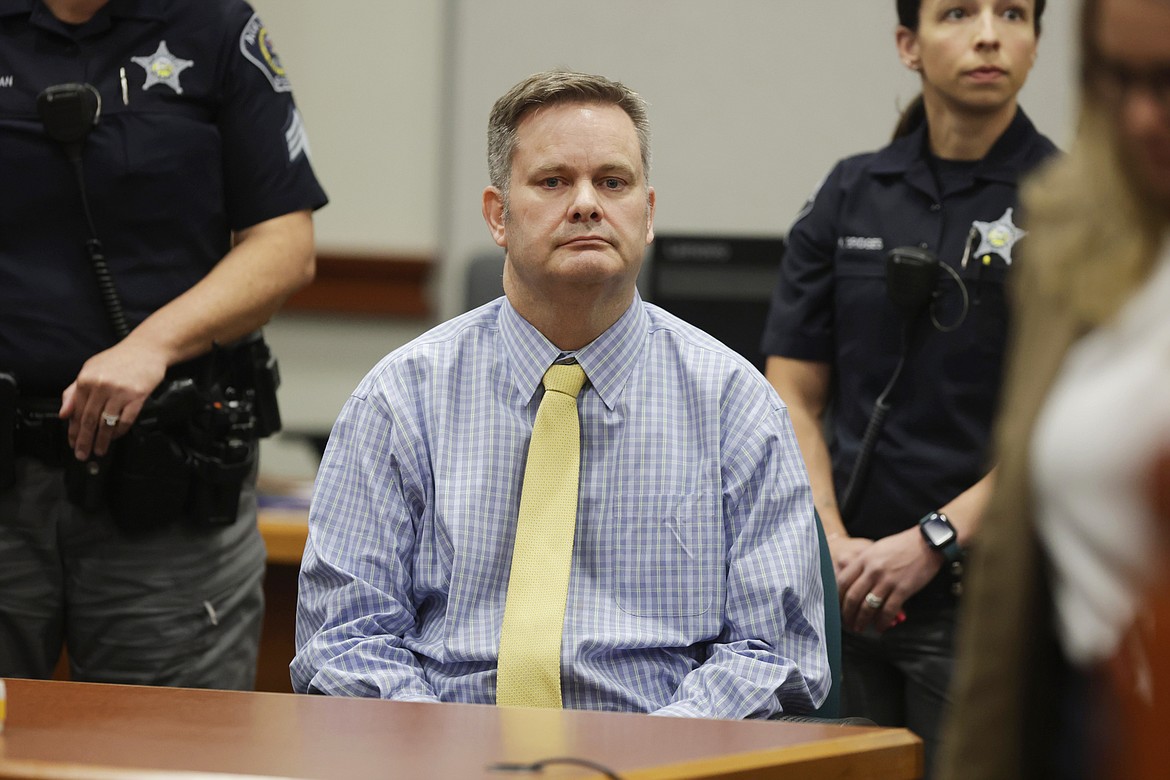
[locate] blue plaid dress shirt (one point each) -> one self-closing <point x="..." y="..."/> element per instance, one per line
<point x="695" y="585"/>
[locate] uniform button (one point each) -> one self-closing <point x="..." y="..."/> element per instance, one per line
<point x="923" y="245"/>
<point x="936" y="207"/>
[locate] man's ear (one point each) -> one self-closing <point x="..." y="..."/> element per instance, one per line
<point x="493" y="215"/>
<point x="650" y="201"/>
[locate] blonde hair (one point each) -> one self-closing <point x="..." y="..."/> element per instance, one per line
<point x="1093" y="238"/>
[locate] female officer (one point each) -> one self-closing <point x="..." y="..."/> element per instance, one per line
<point x="836" y="341"/>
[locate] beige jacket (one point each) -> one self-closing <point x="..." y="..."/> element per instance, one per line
<point x="1005" y="696"/>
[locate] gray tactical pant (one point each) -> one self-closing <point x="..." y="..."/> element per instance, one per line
<point x="179" y="606"/>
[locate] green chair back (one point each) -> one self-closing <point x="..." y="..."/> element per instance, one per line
<point x="832" y="706"/>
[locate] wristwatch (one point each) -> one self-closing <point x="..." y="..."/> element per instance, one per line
<point x="940" y="535"/>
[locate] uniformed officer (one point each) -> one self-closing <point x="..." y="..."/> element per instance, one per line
<point x="947" y="184"/>
<point x="157" y="200"/>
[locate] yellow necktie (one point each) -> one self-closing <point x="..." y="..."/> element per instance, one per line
<point x="534" y="614"/>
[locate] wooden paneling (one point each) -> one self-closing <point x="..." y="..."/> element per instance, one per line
<point x="367" y="285"/>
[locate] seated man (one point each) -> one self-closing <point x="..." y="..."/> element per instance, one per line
<point x="472" y="539"/>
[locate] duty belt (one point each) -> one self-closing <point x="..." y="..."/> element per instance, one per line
<point x="40" y="433"/>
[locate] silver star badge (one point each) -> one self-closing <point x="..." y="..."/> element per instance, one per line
<point x="998" y="237"/>
<point x="162" y="67"/>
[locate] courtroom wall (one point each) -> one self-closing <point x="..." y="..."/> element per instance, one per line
<point x="751" y="102"/>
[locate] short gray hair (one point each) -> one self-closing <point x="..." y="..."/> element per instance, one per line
<point x="551" y="88"/>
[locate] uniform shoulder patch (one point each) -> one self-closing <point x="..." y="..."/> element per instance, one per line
<point x="256" y="44"/>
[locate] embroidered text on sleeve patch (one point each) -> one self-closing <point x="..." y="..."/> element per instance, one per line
<point x="256" y="44"/>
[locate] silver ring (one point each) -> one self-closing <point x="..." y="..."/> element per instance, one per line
<point x="874" y="600"/>
<point x="110" y="419"/>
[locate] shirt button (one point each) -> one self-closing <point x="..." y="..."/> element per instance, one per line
<point x="936" y="207"/>
<point x="923" y="245"/>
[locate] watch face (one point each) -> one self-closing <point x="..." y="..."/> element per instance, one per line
<point x="938" y="531"/>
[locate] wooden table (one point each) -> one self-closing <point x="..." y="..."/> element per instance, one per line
<point x="85" y="731"/>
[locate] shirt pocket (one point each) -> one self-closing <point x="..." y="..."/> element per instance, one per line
<point x="174" y="165"/>
<point x="865" y="322"/>
<point x="860" y="264"/>
<point x="975" y="361"/>
<point x="668" y="553"/>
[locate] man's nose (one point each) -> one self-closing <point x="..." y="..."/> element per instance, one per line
<point x="586" y="205"/>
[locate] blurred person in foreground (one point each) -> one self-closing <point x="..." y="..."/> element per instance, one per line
<point x="1052" y="631"/>
<point x="686" y="582"/>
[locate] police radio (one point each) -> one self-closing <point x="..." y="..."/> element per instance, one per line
<point x="911" y="278"/>
<point x="912" y="281"/>
<point x="69" y="112"/>
<point x="912" y="284"/>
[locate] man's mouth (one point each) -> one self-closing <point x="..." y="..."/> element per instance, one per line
<point x="584" y="240"/>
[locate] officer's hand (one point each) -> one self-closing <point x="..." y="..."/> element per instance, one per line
<point x="892" y="569"/>
<point x="843" y="549"/>
<point x="111" y="388"/>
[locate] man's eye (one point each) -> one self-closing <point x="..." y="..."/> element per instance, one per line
<point x="953" y="13"/>
<point x="551" y="182"/>
<point x="1014" y="14"/>
<point x="612" y="184"/>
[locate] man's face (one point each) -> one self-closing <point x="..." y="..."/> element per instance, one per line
<point x="579" y="213"/>
<point x="1133" y="37"/>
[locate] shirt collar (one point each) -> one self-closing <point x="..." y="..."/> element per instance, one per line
<point x="1003" y="162"/>
<point x="608" y="360"/>
<point x="132" y="9"/>
<point x="137" y="9"/>
<point x="1009" y="154"/>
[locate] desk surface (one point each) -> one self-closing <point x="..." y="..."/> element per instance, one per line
<point x="76" y="730"/>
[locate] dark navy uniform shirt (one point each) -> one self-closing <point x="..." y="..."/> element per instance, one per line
<point x="830" y="305"/>
<point x="198" y="136"/>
